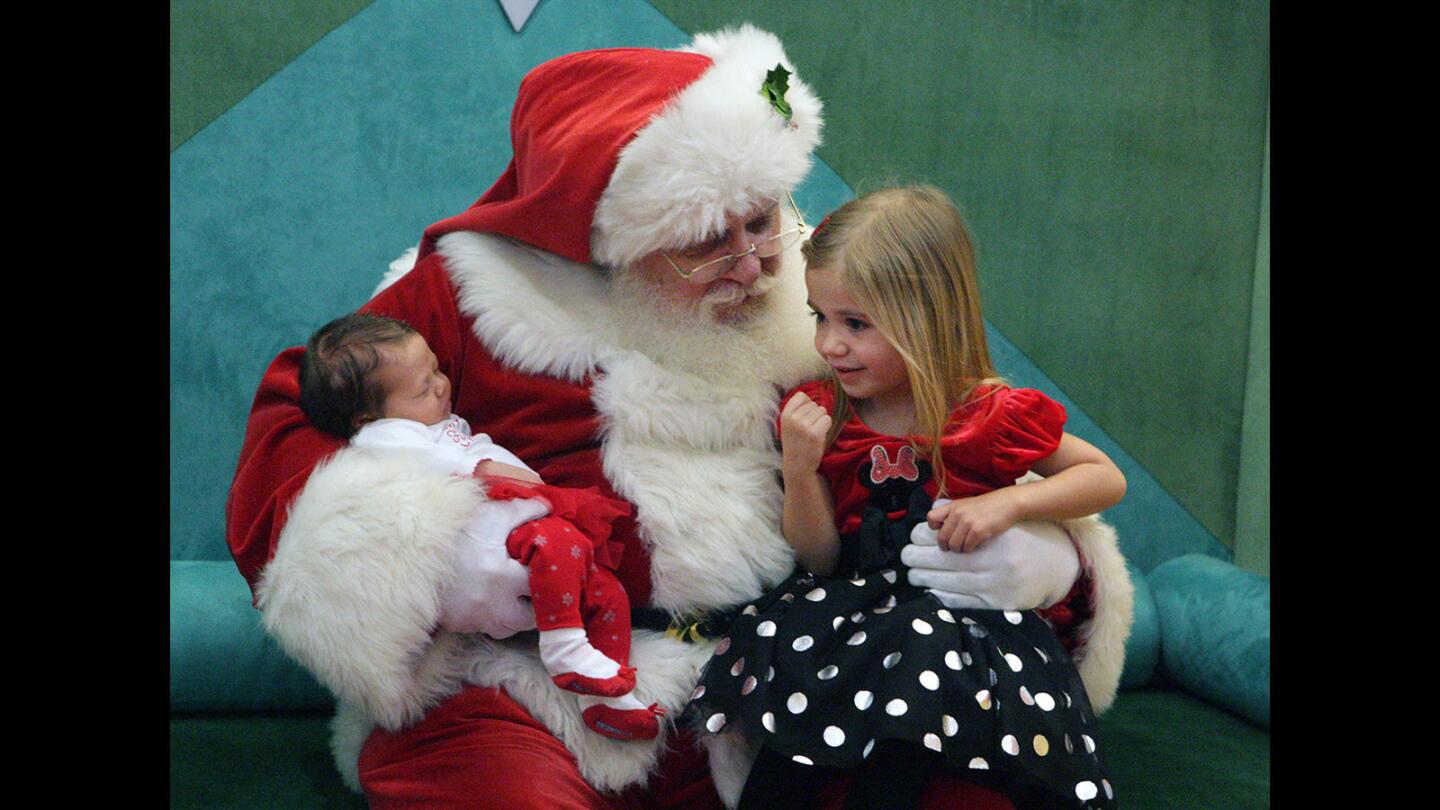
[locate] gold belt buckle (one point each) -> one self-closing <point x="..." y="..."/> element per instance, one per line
<point x="686" y="629"/>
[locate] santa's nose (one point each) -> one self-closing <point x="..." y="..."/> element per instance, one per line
<point x="745" y="270"/>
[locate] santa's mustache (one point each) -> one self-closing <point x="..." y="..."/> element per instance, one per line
<point x="725" y="292"/>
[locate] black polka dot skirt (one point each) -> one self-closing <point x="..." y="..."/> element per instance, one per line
<point x="821" y="670"/>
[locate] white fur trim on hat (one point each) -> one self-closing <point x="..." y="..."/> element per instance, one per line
<point x="716" y="150"/>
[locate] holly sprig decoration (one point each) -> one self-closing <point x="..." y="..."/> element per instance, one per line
<point x="777" y="82"/>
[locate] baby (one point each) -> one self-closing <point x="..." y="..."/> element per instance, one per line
<point x="375" y="381"/>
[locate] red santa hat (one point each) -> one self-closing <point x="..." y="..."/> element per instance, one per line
<point x="624" y="151"/>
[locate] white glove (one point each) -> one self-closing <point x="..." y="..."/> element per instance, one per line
<point x="1033" y="564"/>
<point x="491" y="591"/>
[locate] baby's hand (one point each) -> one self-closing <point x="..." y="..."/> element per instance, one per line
<point x="803" y="425"/>
<point x="488" y="468"/>
<point x="964" y="524"/>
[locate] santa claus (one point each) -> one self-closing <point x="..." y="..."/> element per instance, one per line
<point x="560" y="308"/>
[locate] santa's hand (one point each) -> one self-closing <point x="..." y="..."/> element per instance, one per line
<point x="1033" y="564"/>
<point x="491" y="591"/>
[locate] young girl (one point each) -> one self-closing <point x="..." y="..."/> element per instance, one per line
<point x="846" y="665"/>
<point x="375" y="381"/>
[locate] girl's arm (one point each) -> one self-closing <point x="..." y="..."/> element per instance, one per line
<point x="809" y="517"/>
<point x="1079" y="480"/>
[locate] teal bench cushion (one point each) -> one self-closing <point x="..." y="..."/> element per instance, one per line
<point x="1215" y="632"/>
<point x="220" y="656"/>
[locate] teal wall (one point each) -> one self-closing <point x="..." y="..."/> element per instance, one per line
<point x="1103" y="153"/>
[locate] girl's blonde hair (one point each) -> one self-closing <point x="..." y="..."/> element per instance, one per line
<point x="907" y="259"/>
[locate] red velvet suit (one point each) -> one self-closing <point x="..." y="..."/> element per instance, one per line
<point x="474" y="745"/>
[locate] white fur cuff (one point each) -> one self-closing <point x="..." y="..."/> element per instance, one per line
<point x="353" y="592"/>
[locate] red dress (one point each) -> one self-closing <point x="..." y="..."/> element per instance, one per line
<point x="821" y="669"/>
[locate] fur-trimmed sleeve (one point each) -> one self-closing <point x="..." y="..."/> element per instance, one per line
<point x="347" y="553"/>
<point x="1101" y="636"/>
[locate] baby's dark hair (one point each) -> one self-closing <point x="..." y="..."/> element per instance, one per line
<point x="336" y="390"/>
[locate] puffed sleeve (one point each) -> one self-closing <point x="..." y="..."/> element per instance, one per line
<point x="817" y="390"/>
<point x="1027" y="427"/>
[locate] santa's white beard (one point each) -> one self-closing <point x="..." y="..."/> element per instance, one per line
<point x="758" y="346"/>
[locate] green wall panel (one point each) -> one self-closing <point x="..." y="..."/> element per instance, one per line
<point x="221" y="51"/>
<point x="1252" y="513"/>
<point x="1108" y="156"/>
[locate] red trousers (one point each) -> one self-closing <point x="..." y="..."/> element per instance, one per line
<point x="568" y="588"/>
<point x="481" y="749"/>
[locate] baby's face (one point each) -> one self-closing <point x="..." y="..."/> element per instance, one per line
<point x="414" y="387"/>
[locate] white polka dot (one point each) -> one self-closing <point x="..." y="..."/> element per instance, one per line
<point x="765" y="629"/>
<point x="881" y="611"/>
<point x="1013" y="616"/>
<point x="857" y="617"/>
<point x="858" y="582"/>
<point x="1014" y="661"/>
<point x="965" y="656"/>
<point x="834" y="737"/>
<point x="952" y="660"/>
<point x="930" y="680"/>
<point x="768" y="721"/>
<point x="967" y="621"/>
<point x="750" y="610"/>
<point x="868" y="747"/>
<point x="896" y="707"/>
<point x="803" y="643"/>
<point x="1010" y="745"/>
<point x="994" y="679"/>
<point x="749" y="685"/>
<point x="1041" y="745"/>
<point x="890" y="601"/>
<point x="983" y="698"/>
<point x="977" y="631"/>
<point x="715" y="723"/>
<point x="797" y="702"/>
<point x="1025" y="697"/>
<point x="979" y="764"/>
<point x="1089" y="743"/>
<point x="889" y="575"/>
<point x="1043" y="656"/>
<point x="738" y="667"/>
<point x="922" y="627"/>
<point x="857" y="639"/>
<point x="1085" y="791"/>
<point x="699" y="691"/>
<point x="770" y="674"/>
<point x="891" y="660"/>
<point x="724" y="645"/>
<point x="816" y="595"/>
<point x="1067" y="699"/>
<point x="945" y="615"/>
<point x="803" y="760"/>
<point x="932" y="741"/>
<point x="789" y="597"/>
<point x="948" y="725"/>
<point x="863" y="699"/>
<point x="1069" y="746"/>
<point x="828" y="672"/>
<point x="839" y="620"/>
<point x="1044" y="701"/>
<point x="1109" y="791"/>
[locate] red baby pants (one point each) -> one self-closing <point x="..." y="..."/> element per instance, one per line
<point x="569" y="589"/>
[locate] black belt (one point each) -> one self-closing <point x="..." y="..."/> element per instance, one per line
<point x="689" y="627"/>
